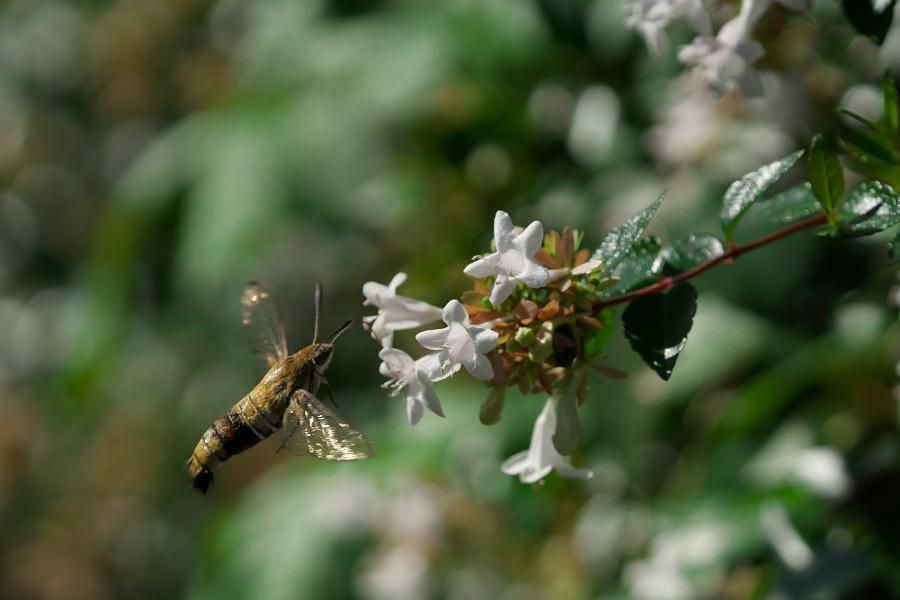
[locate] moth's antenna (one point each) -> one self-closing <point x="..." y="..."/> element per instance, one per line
<point x="318" y="310"/>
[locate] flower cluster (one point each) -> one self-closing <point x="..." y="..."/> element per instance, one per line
<point x="724" y="59"/>
<point x="529" y="321"/>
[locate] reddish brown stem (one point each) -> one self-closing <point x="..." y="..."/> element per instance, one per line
<point x="734" y="250"/>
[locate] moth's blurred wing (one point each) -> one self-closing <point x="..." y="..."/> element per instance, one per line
<point x="260" y="317"/>
<point x="311" y="427"/>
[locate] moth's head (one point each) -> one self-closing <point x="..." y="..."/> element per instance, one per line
<point x="321" y="355"/>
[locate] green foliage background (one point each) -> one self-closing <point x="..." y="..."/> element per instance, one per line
<point x="155" y="156"/>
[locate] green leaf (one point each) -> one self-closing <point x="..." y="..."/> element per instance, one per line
<point x="618" y="243"/>
<point x="869" y="143"/>
<point x="639" y="267"/>
<point x="791" y="205"/>
<point x="894" y="247"/>
<point x="891" y="106"/>
<point x="746" y="191"/>
<point x="825" y="174"/>
<point x="596" y="338"/>
<point x="871" y="207"/>
<point x="657" y="326"/>
<point x="693" y="250"/>
<point x="568" y="432"/>
<point x="867" y="21"/>
<point x="492" y="407"/>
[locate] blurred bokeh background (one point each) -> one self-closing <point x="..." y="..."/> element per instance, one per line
<point x="154" y="156"/>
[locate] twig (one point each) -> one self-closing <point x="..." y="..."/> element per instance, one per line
<point x="732" y="253"/>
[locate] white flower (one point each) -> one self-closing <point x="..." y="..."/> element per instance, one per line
<point x="725" y="60"/>
<point x="460" y="343"/>
<point x="513" y="261"/>
<point x="413" y="376"/>
<point x="395" y="312"/>
<point x="534" y="464"/>
<point x="651" y="17"/>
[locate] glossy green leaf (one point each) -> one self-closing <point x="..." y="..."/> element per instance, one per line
<point x="867" y="143"/>
<point x="492" y="407"/>
<point x="891" y="106"/>
<point x="791" y="205"/>
<point x="868" y="21"/>
<point x="567" y="436"/>
<point x="596" y="338"/>
<point x="748" y="190"/>
<point x="871" y="207"/>
<point x="618" y="243"/>
<point x="657" y="326"/>
<point x="691" y="251"/>
<point x="825" y="174"/>
<point x="639" y="268"/>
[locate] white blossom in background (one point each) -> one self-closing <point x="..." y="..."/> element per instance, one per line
<point x="395" y="312"/>
<point x="513" y="262"/>
<point x="790" y="547"/>
<point x="542" y="457"/>
<point x="725" y="60"/>
<point x="651" y="17"/>
<point x="413" y="377"/>
<point x="461" y="343"/>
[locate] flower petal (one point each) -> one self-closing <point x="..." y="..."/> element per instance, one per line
<point x="454" y="312"/>
<point x="376" y="292"/>
<point x="433" y="339"/>
<point x="397" y="281"/>
<point x="503" y="288"/>
<point x="535" y="474"/>
<point x="414" y="410"/>
<point x="480" y="367"/>
<point x="431" y="400"/>
<point x="485" y="339"/>
<point x="530" y="240"/>
<point x="516" y="463"/>
<point x="483" y="267"/>
<point x="534" y="275"/>
<point x="570" y="472"/>
<point x="503" y="231"/>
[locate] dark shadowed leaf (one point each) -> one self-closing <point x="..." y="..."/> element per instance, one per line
<point x="596" y="338"/>
<point x="894" y="247"/>
<point x="825" y="174"/>
<point x="568" y="432"/>
<point x="871" y="207"/>
<point x="638" y="268"/>
<point x="868" y="21"/>
<point x="657" y="326"/>
<point x="618" y="242"/>
<point x="693" y="250"/>
<point x="748" y="190"/>
<point x="791" y="205"/>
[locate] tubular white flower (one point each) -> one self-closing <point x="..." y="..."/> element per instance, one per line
<point x="513" y="262"/>
<point x="724" y="60"/>
<point x="651" y="17"/>
<point x="411" y="376"/>
<point x="460" y="343"/>
<point x="534" y="464"/>
<point x="395" y="312"/>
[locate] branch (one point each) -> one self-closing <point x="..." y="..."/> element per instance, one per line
<point x="732" y="253"/>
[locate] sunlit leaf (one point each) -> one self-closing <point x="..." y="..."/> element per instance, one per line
<point x="748" y="190"/>
<point x="868" y="21"/>
<point x="619" y="242"/>
<point x="871" y="207"/>
<point x="638" y="268"/>
<point x="657" y="326"/>
<point x="825" y="174"/>
<point x="691" y="251"/>
<point x="791" y="205"/>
